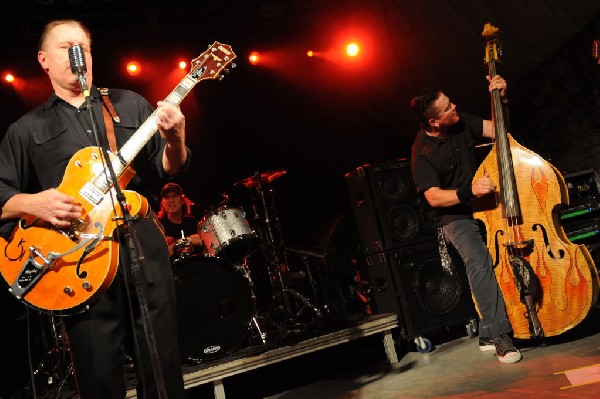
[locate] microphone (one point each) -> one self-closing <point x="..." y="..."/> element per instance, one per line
<point x="77" y="61"/>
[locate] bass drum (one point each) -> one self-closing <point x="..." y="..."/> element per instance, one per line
<point x="215" y="307"/>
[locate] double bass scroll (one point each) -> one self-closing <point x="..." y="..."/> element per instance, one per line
<point x="549" y="284"/>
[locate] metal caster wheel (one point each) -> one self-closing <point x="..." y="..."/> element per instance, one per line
<point x="472" y="328"/>
<point x="423" y="345"/>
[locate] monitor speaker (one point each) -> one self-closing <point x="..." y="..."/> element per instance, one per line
<point x="388" y="213"/>
<point x="414" y="284"/>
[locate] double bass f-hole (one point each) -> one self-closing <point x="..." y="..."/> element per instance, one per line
<point x="561" y="252"/>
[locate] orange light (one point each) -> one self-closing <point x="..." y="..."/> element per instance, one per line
<point x="310" y="53"/>
<point x="182" y="65"/>
<point x="254" y="58"/>
<point x="134" y="68"/>
<point x="9" y="77"/>
<point x="352" y="49"/>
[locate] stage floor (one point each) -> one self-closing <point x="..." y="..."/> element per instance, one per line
<point x="333" y="366"/>
<point x="568" y="367"/>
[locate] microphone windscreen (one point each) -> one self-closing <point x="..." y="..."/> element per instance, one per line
<point x="77" y="59"/>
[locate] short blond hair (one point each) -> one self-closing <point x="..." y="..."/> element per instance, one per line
<point x="57" y="22"/>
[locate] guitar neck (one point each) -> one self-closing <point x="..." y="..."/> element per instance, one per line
<point x="207" y="66"/>
<point x="139" y="139"/>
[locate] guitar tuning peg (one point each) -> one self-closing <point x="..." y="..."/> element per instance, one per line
<point x="233" y="65"/>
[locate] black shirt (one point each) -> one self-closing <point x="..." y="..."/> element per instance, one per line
<point x="448" y="162"/>
<point x="188" y="226"/>
<point x="36" y="149"/>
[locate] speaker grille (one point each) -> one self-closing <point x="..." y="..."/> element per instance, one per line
<point x="431" y="296"/>
<point x="404" y="222"/>
<point x="388" y="213"/>
<point x="436" y="289"/>
<point x="394" y="182"/>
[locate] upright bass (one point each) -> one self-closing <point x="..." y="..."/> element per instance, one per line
<point x="549" y="284"/>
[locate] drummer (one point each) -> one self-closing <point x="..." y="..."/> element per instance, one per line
<point x="180" y="226"/>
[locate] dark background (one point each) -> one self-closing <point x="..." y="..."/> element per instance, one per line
<point x="318" y="118"/>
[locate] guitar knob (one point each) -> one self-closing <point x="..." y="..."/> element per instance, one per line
<point x="69" y="291"/>
<point x="86" y="286"/>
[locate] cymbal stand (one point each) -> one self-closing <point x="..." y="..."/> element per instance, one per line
<point x="276" y="262"/>
<point x="273" y="251"/>
<point x="305" y="255"/>
<point x="244" y="270"/>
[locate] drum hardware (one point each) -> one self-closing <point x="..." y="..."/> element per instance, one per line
<point x="245" y="271"/>
<point x="304" y="256"/>
<point x="258" y="179"/>
<point x="56" y="368"/>
<point x="182" y="249"/>
<point x="290" y="303"/>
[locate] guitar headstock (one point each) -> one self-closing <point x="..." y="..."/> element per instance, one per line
<point x="493" y="48"/>
<point x="211" y="63"/>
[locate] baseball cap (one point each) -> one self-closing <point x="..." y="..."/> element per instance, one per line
<point x="171" y="187"/>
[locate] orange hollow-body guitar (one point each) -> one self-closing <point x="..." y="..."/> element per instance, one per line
<point x="63" y="270"/>
<point x="58" y="269"/>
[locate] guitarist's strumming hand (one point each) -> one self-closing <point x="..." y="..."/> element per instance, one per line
<point x="171" y="125"/>
<point x="49" y="205"/>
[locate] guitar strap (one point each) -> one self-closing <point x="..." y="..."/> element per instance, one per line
<point x="110" y="115"/>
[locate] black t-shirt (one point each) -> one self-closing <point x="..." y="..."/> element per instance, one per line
<point x="448" y="163"/>
<point x="188" y="226"/>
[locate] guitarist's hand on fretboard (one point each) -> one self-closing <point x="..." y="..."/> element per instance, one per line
<point x="171" y="125"/>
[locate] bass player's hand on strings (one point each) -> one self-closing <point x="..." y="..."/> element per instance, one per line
<point x="483" y="185"/>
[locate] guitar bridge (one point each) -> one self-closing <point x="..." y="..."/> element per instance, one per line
<point x="30" y="273"/>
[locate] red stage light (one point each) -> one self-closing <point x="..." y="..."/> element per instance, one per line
<point x="9" y="77"/>
<point x="134" y="68"/>
<point x="254" y="57"/>
<point x="182" y="65"/>
<point x="352" y="49"/>
<point x="310" y="53"/>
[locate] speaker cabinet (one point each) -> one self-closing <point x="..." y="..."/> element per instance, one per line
<point x="414" y="284"/>
<point x="388" y="213"/>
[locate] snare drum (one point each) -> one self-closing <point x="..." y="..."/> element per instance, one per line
<point x="215" y="307"/>
<point x="226" y="232"/>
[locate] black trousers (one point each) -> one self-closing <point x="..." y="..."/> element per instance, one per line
<point x="98" y="337"/>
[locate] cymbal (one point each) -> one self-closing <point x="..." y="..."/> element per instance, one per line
<point x="261" y="178"/>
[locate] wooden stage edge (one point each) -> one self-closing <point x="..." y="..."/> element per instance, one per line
<point x="379" y="323"/>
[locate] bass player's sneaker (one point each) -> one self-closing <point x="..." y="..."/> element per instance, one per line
<point x="505" y="349"/>
<point x="486" y="344"/>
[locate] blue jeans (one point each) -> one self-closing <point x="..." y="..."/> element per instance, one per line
<point x="466" y="238"/>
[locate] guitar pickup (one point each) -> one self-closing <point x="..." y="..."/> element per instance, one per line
<point x="91" y="193"/>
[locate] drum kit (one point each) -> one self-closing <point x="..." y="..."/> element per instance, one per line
<point x="220" y="309"/>
<point x="239" y="293"/>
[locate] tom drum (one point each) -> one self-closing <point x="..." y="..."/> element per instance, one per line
<point x="226" y="232"/>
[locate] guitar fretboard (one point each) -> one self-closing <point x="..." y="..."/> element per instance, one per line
<point x="134" y="145"/>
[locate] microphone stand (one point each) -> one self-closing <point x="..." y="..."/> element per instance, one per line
<point x="133" y="249"/>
